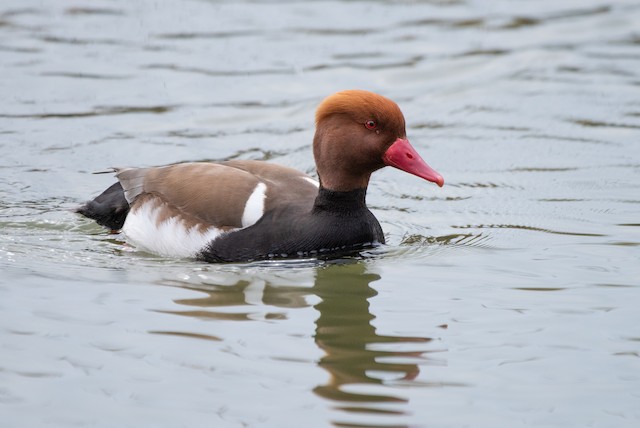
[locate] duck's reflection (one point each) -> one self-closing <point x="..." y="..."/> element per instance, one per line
<point x="355" y="355"/>
<point x="350" y="342"/>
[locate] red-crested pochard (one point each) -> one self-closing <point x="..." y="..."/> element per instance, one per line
<point x="251" y="210"/>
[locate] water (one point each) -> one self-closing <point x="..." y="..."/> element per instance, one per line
<point x="507" y="298"/>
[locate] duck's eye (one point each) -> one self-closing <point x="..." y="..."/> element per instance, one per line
<point x="370" y="124"/>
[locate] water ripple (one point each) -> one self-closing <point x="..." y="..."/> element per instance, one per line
<point x="208" y="35"/>
<point x="93" y="11"/>
<point x="97" y="111"/>
<point x="208" y="72"/>
<point x="602" y="124"/>
<point x="82" y="75"/>
<point x="524" y="227"/>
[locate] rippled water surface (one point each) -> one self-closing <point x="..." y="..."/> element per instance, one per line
<point x="508" y="298"/>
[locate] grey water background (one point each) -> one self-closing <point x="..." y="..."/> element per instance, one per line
<point x="508" y="298"/>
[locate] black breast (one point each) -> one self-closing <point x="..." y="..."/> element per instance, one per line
<point x="338" y="222"/>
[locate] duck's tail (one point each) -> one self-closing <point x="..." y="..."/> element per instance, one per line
<point x="108" y="209"/>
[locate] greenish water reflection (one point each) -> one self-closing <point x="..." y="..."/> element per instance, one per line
<point x="345" y="333"/>
<point x="356" y="356"/>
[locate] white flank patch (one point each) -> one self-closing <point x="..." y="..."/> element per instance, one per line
<point x="254" y="208"/>
<point x="312" y="181"/>
<point x="170" y="238"/>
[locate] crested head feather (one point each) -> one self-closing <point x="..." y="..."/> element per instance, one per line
<point x="362" y="106"/>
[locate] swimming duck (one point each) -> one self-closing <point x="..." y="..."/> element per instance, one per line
<point x="244" y="210"/>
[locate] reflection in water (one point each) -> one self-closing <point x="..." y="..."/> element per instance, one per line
<point x="344" y="332"/>
<point x="358" y="359"/>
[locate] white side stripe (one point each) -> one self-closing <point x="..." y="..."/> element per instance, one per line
<point x="254" y="208"/>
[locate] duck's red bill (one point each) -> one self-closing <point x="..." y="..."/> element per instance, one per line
<point x="402" y="155"/>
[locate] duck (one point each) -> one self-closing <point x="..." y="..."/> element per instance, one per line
<point x="249" y="210"/>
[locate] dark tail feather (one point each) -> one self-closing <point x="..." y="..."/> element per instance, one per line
<point x="109" y="209"/>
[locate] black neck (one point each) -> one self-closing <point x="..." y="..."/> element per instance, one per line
<point x="345" y="202"/>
